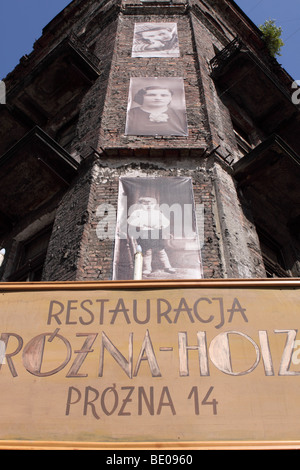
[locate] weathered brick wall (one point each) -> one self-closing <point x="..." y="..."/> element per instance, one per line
<point x="96" y="262"/>
<point x="230" y="244"/>
<point x="97" y="254"/>
<point x="100" y="34"/>
<point x="71" y="216"/>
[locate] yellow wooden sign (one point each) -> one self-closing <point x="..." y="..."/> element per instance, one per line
<point x="118" y="365"/>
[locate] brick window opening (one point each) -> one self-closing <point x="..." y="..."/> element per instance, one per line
<point x="243" y="140"/>
<point x="273" y="257"/>
<point x="31" y="257"/>
<point x="66" y="135"/>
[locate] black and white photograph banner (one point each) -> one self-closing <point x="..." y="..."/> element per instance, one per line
<point x="157" y="217"/>
<point x="156" y="106"/>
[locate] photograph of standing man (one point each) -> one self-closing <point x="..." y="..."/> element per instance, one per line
<point x="156" y="106"/>
<point x="157" y="215"/>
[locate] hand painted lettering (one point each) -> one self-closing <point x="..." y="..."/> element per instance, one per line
<point x="218" y="354"/>
<point x="162" y="311"/>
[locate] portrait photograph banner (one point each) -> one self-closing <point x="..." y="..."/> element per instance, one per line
<point x="156" y="106"/>
<point x="158" y="216"/>
<point x="155" y="40"/>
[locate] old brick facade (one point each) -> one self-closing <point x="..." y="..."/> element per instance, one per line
<point x="64" y="147"/>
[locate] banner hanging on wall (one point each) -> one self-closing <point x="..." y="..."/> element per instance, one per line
<point x="157" y="214"/>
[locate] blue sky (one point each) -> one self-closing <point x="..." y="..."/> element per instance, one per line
<point x="22" y="21"/>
